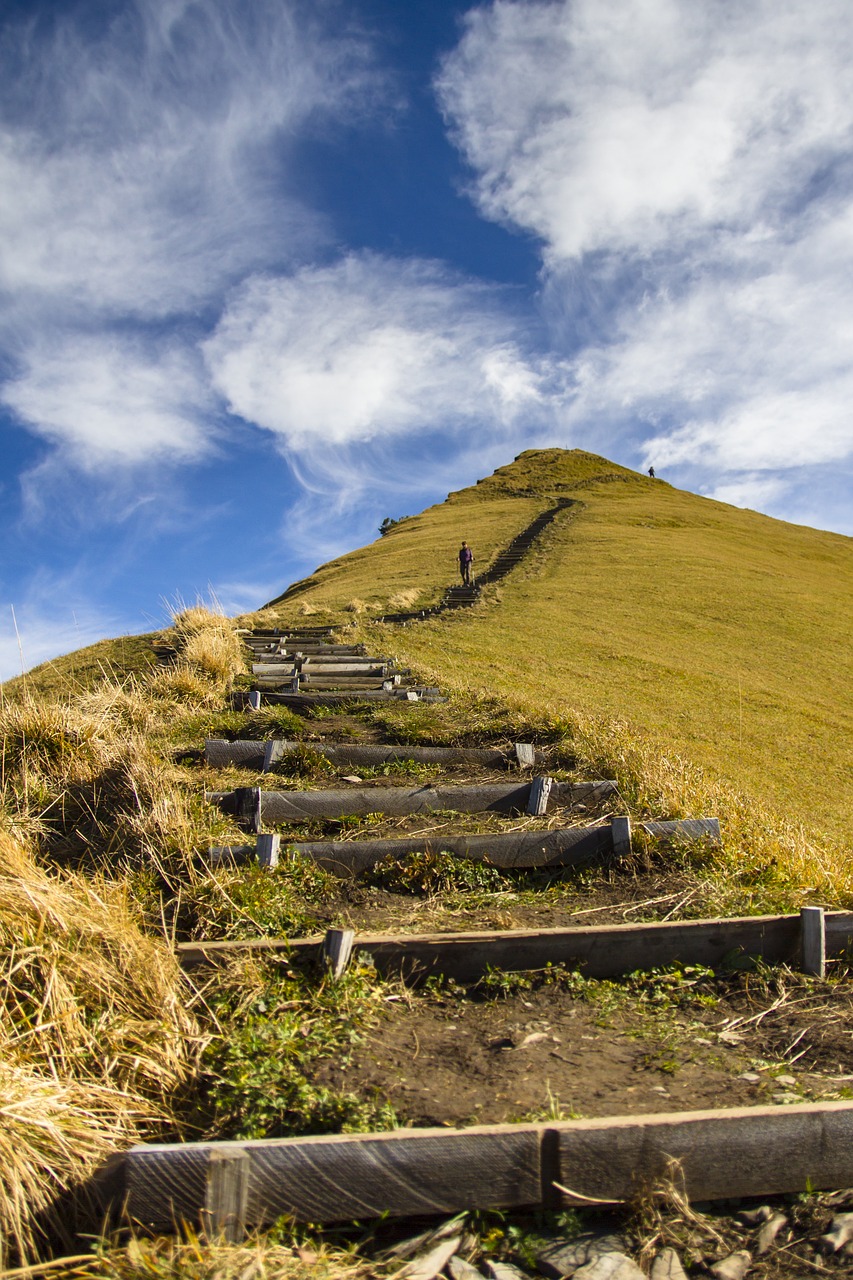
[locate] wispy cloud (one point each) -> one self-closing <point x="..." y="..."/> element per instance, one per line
<point x="686" y="168"/>
<point x="371" y="348"/>
<point x="144" y="160"/>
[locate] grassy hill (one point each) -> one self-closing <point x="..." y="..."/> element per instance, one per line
<point x="696" y="652"/>
<point x="719" y="634"/>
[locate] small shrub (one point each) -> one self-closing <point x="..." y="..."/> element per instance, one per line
<point x="435" y="874"/>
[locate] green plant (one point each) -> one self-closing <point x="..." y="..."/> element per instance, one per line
<point x="434" y="874"/>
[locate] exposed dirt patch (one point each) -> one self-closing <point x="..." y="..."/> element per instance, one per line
<point x="615" y="1048"/>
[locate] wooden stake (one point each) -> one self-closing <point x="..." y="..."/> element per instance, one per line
<point x="337" y="950"/>
<point x="621" y="829"/>
<point x="226" y="1195"/>
<point x="268" y="850"/>
<point x="540" y="790"/>
<point x="254" y="703"/>
<point x="814" y="941"/>
<point x="525" y="754"/>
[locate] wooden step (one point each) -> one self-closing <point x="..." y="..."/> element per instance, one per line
<point x="258" y="755"/>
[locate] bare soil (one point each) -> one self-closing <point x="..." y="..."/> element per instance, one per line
<point x="458" y="1058"/>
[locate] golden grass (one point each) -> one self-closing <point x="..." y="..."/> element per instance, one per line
<point x="95" y="1036"/>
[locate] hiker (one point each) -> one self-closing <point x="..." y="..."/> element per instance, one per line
<point x="466" y="559"/>
<point x="652" y="472"/>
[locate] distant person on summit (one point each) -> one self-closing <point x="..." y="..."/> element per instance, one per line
<point x="466" y="559"/>
<point x="652" y="472"/>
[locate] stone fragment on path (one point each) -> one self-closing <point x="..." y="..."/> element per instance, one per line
<point x="667" y="1266"/>
<point x="754" y="1217"/>
<point x="734" y="1267"/>
<point x="428" y="1265"/>
<point x="839" y="1234"/>
<point x="563" y="1257"/>
<point x="610" y="1266"/>
<point x="769" y="1232"/>
<point x="458" y="1269"/>
<point x="505" y="1271"/>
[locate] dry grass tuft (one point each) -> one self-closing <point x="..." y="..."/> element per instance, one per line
<point x="355" y="605"/>
<point x="404" y="599"/>
<point x="95" y="1035"/>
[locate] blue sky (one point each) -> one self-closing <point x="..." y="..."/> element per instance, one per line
<point x="272" y="271"/>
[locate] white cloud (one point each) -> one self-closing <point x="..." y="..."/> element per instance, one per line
<point x="686" y="168"/>
<point x="110" y="400"/>
<point x="142" y="176"/>
<point x="369" y="347"/>
<point x="146" y="166"/>
<point x="754" y="491"/>
<point x="631" y="124"/>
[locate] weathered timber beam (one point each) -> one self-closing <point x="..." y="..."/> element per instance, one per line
<point x="220" y="753"/>
<point x="570" y="846"/>
<point x="743" y="1151"/>
<point x="602" y="951"/>
<point x="294" y="806"/>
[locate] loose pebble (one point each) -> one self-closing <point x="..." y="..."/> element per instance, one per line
<point x="839" y="1234"/>
<point x="769" y="1232"/>
<point x="734" y="1267"/>
<point x="667" y="1266"/>
<point x="609" y="1266"/>
<point x="458" y="1269"/>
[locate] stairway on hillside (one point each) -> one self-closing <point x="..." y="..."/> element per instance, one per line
<point x="305" y="664"/>
<point x="461" y="597"/>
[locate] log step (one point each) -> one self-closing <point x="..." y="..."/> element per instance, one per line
<point x="297" y="806"/>
<point x="253" y="755"/>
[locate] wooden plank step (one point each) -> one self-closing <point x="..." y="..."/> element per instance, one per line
<point x="571" y="846"/>
<point x="276" y="697"/>
<point x="296" y="806"/>
<point x="600" y="951"/>
<point x="731" y="1152"/>
<point x="253" y="755"/>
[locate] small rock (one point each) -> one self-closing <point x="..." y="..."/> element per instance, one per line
<point x="751" y="1077"/>
<point x="734" y="1267"/>
<point x="730" y="1037"/>
<point x="667" y="1266"/>
<point x="769" y="1232"/>
<point x="785" y="1099"/>
<point x="788" y="1081"/>
<point x="610" y="1266"/>
<point x="535" y="1037"/>
<point x="754" y="1217"/>
<point x="839" y="1234"/>
<point x="658" y="1088"/>
<point x="563" y="1257"/>
<point x="505" y="1271"/>
<point x="458" y="1269"/>
<point x="428" y="1265"/>
<point x="350" y="777"/>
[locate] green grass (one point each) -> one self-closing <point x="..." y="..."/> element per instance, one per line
<point x="86" y="668"/>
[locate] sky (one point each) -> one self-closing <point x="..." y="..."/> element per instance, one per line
<point x="272" y="271"/>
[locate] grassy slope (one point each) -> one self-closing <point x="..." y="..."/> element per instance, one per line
<point x="85" y="668"/>
<point x="720" y="633"/>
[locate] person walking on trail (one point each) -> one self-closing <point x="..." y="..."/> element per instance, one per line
<point x="652" y="472"/>
<point x="466" y="559"/>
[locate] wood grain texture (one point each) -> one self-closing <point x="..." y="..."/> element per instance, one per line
<point x="570" y="846"/>
<point x="813" y="941"/>
<point x="601" y="951"/>
<point x="219" y="753"/>
<point x="332" y="1179"/>
<point x="745" y="1151"/>
<point x="295" y="806"/>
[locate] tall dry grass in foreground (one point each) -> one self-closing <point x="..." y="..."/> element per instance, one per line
<point x="95" y="1036"/>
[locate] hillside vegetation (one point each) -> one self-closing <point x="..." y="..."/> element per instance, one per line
<point x="695" y="652"/>
<point x="715" y="633"/>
